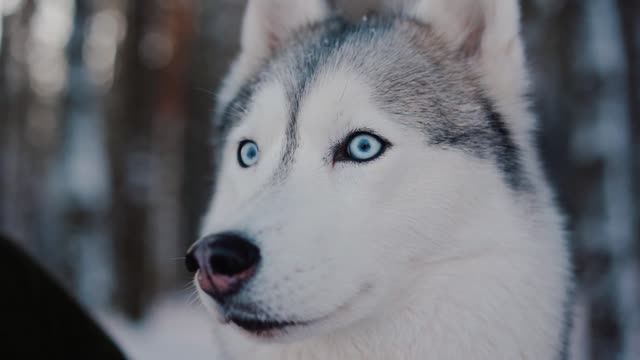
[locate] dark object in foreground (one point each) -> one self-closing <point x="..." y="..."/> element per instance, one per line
<point x="39" y="320"/>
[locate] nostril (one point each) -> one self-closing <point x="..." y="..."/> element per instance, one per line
<point x="228" y="264"/>
<point x="231" y="254"/>
<point x="191" y="262"/>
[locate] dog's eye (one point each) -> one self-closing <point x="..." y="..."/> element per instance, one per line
<point x="361" y="146"/>
<point x="364" y="147"/>
<point x="248" y="153"/>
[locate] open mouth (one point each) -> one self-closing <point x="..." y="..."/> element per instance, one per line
<point x="262" y="327"/>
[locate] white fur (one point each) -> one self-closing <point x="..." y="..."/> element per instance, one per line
<point x="424" y="253"/>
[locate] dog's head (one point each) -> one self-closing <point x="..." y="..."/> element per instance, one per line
<point x="353" y="155"/>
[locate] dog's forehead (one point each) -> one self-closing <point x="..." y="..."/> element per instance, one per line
<point x="413" y="76"/>
<point x="410" y="70"/>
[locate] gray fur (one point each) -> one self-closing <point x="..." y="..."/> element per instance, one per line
<point x="419" y="80"/>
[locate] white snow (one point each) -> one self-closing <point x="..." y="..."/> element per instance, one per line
<point x="173" y="329"/>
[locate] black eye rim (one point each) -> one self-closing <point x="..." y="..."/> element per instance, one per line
<point x="239" y="152"/>
<point x="341" y="153"/>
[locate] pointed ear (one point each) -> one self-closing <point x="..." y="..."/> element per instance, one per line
<point x="266" y="26"/>
<point x="486" y="33"/>
<point x="268" y="23"/>
<point x="470" y="24"/>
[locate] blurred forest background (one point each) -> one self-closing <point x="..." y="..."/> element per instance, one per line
<point x="105" y="109"/>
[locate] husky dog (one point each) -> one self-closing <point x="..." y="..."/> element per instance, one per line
<point x="378" y="192"/>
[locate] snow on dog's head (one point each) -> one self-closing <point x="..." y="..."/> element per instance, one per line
<point x="346" y="156"/>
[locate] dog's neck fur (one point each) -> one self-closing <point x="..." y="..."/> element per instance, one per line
<point x="492" y="304"/>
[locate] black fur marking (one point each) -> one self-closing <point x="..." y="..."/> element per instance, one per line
<point x="308" y="63"/>
<point x="291" y="135"/>
<point x="235" y="110"/>
<point x="491" y="138"/>
<point x="506" y="151"/>
<point x="309" y="60"/>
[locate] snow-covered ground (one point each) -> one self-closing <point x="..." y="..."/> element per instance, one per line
<point x="173" y="329"/>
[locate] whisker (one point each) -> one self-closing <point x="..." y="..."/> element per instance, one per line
<point x="206" y="91"/>
<point x="193" y="299"/>
<point x="191" y="284"/>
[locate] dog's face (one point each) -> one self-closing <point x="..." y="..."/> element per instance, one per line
<point x="345" y="162"/>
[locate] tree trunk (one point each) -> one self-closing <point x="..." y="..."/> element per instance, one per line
<point x="129" y="130"/>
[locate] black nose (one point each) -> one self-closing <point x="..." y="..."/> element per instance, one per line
<point x="225" y="262"/>
<point x="231" y="254"/>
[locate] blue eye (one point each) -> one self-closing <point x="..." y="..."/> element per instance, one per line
<point x="248" y="153"/>
<point x="364" y="147"/>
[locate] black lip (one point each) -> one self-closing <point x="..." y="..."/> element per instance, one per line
<point x="261" y="326"/>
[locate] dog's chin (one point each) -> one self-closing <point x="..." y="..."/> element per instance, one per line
<point x="251" y="320"/>
<point x="264" y="327"/>
<point x="257" y="323"/>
